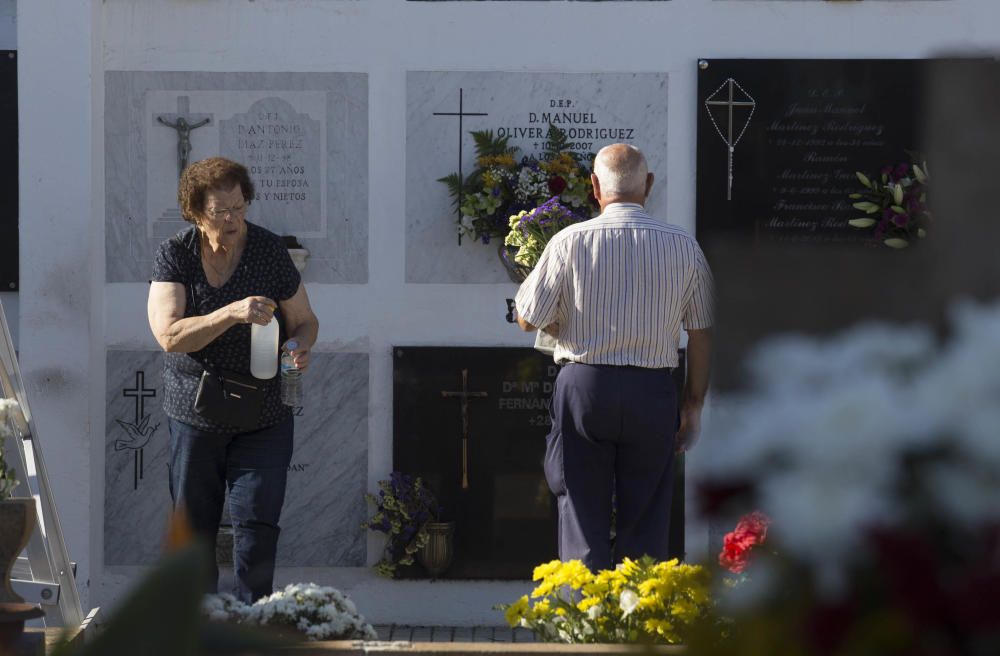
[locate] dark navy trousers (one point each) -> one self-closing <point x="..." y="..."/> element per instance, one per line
<point x="254" y="465"/>
<point x="613" y="430"/>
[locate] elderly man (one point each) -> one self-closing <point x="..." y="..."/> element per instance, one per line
<point x="616" y="291"/>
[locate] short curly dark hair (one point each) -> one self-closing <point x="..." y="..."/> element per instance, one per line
<point x="203" y="176"/>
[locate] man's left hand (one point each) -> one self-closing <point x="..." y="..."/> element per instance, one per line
<point x="688" y="432"/>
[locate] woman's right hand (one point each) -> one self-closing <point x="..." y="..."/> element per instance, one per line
<point x="253" y="309"/>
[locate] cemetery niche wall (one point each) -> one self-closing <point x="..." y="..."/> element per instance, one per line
<point x="303" y="136"/>
<point x="493" y="486"/>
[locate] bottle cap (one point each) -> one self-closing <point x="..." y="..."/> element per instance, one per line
<point x="291" y="345"/>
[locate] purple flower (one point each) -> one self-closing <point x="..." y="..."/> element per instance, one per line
<point x="902" y="170"/>
<point x="901" y="220"/>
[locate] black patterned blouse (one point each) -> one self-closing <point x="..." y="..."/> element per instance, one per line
<point x="265" y="269"/>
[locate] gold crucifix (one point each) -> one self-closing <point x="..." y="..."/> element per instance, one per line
<point x="465" y="395"/>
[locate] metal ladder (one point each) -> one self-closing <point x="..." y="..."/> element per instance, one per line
<point x="43" y="574"/>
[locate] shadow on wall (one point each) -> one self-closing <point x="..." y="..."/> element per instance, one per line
<point x="819" y="289"/>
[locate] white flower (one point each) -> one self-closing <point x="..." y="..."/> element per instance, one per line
<point x="628" y="601"/>
<point x="595" y="611"/>
<point x="7" y="409"/>
<point x="322" y="613"/>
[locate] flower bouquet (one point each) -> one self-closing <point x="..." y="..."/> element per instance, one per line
<point x="504" y="184"/>
<point x="896" y="204"/>
<point x="639" y="601"/>
<point x="530" y="231"/>
<point x="403" y="507"/>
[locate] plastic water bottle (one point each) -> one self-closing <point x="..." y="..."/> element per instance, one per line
<point x="291" y="377"/>
<point x="264" y="350"/>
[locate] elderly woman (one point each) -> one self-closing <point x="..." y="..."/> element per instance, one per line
<point x="210" y="282"/>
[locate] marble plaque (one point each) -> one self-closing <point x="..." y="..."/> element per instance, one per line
<point x="595" y="109"/>
<point x="304" y="137"/>
<point x="324" y="502"/>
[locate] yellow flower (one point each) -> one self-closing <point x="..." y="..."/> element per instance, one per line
<point x="542" y="609"/>
<point x="684" y="610"/>
<point x="502" y="161"/>
<point x="629" y="567"/>
<point x="587" y="603"/>
<point x="516" y="611"/>
<point x="545" y="569"/>
<point x="658" y="626"/>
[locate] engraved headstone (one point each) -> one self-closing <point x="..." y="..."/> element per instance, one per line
<point x="281" y="147"/>
<point x="324" y="501"/>
<point x="594" y="109"/>
<point x="779" y="142"/>
<point x="304" y="137"/>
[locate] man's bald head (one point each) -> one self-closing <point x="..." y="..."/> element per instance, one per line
<point x="622" y="174"/>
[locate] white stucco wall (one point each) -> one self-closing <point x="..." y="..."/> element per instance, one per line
<point x="68" y="316"/>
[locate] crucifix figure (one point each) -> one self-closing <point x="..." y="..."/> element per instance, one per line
<point x="730" y="104"/>
<point x="465" y="395"/>
<point x="183" y="125"/>
<point x="461" y="114"/>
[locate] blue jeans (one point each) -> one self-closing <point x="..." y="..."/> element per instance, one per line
<point x="254" y="465"/>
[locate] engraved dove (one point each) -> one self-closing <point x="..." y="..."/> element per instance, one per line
<point x="139" y="434"/>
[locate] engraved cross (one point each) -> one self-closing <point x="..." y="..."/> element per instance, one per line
<point x="140" y="392"/>
<point x="461" y="114"/>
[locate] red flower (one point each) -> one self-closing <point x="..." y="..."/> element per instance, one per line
<point x="556" y="185"/>
<point x="749" y="532"/>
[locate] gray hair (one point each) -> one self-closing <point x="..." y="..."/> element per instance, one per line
<point x="622" y="170"/>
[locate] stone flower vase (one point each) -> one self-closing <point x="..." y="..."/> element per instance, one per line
<point x="17" y="520"/>
<point x="437" y="554"/>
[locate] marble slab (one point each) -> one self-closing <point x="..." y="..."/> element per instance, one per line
<point x="595" y="109"/>
<point x="324" y="503"/>
<point x="304" y="137"/>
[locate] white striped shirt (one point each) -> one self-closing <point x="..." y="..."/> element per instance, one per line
<point x="620" y="286"/>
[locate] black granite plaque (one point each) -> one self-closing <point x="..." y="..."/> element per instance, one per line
<point x="8" y="172"/>
<point x="496" y="493"/>
<point x="779" y="142"/>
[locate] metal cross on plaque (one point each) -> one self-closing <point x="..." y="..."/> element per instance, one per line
<point x="465" y="395"/>
<point x="183" y="122"/>
<point x="461" y="114"/>
<point x="725" y="98"/>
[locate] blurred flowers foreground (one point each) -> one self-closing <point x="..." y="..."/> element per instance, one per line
<point x="876" y="455"/>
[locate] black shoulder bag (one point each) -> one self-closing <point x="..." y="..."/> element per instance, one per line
<point x="230" y="399"/>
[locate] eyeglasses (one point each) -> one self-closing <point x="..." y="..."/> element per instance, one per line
<point x="223" y="214"/>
